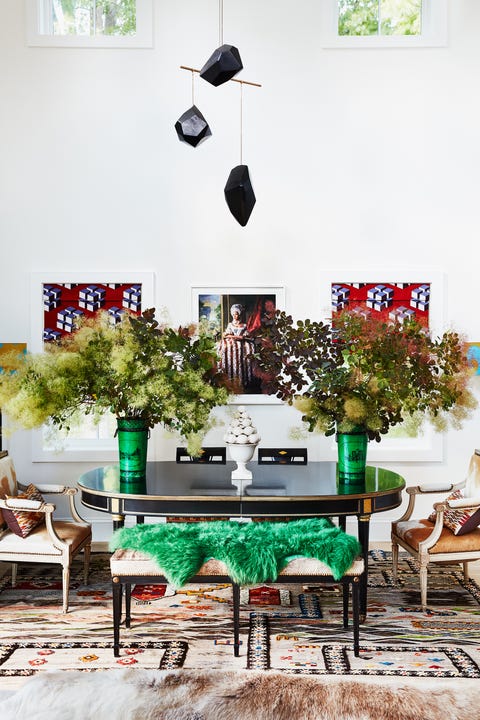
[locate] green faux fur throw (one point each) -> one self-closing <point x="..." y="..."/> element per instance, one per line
<point x="253" y="552"/>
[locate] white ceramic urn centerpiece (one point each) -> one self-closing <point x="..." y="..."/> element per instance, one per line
<point x="241" y="439"/>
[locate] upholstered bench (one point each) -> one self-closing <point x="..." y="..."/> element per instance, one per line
<point x="129" y="567"/>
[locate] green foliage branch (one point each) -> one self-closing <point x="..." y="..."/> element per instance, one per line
<point x="366" y="373"/>
<point x="137" y="368"/>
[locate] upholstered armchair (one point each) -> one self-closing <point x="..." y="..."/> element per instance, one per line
<point x="28" y="532"/>
<point x="450" y="534"/>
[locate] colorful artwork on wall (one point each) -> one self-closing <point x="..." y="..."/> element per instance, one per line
<point x="428" y="297"/>
<point x="6" y="365"/>
<point x="236" y="317"/>
<point x="393" y="301"/>
<point x="65" y="303"/>
<point x="6" y="350"/>
<point x="473" y="354"/>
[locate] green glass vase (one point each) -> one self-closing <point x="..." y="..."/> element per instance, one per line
<point x="352" y="457"/>
<point x="132" y="434"/>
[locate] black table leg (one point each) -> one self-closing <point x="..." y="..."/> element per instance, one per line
<point x="118" y="521"/>
<point x="363" y="536"/>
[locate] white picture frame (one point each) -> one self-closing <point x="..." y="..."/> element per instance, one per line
<point x="234" y="292"/>
<point x="429" y="445"/>
<point x="91" y="449"/>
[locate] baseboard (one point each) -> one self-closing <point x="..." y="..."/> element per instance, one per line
<point x="100" y="546"/>
<point x="380" y="546"/>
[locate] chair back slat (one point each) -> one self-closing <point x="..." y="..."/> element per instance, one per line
<point x="282" y="456"/>
<point x="211" y="455"/>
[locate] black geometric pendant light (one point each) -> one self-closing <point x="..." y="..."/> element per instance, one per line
<point x="239" y="194"/>
<point x="222" y="65"/>
<point x="191" y="127"/>
<point x="225" y="62"/>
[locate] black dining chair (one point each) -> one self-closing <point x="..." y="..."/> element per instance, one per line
<point x="282" y="456"/>
<point x="212" y="455"/>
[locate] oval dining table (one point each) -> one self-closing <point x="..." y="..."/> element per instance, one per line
<point x="280" y="491"/>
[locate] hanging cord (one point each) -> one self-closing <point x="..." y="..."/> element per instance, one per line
<point x="220" y="22"/>
<point x="241" y="123"/>
<point x="193" y="88"/>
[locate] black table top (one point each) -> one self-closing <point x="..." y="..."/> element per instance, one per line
<point x="193" y="481"/>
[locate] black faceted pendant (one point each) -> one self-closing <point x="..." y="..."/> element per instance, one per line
<point x="222" y="65"/>
<point x="192" y="127"/>
<point x="239" y="194"/>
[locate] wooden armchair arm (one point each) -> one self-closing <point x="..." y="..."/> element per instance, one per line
<point x="426" y="489"/>
<point x="35" y="506"/>
<point x="70" y="492"/>
<point x="440" y="508"/>
<point x="432" y="539"/>
<point x="463" y="502"/>
<point x="434" y="487"/>
<point x="25" y="505"/>
<point x="46" y="489"/>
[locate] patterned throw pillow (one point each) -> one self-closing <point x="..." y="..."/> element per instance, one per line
<point x="20" y="522"/>
<point x="462" y="520"/>
<point x="8" y="483"/>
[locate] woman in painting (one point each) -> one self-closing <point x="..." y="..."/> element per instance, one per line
<point x="258" y="325"/>
<point x="236" y="347"/>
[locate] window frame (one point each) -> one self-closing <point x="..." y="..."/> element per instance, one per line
<point x="37" y="9"/>
<point x="80" y="449"/>
<point x="434" y="30"/>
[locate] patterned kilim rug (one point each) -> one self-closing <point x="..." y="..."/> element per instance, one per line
<point x="288" y="629"/>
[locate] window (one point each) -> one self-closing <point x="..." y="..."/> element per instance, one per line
<point x="97" y="440"/>
<point x="383" y="23"/>
<point x="90" y="23"/>
<point x="379" y="17"/>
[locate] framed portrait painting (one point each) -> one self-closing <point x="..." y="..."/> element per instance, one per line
<point x="236" y="318"/>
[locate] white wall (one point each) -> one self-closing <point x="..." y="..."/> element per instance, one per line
<point x="359" y="159"/>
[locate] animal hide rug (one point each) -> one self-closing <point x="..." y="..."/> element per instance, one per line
<point x="135" y="694"/>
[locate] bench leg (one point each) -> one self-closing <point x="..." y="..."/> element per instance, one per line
<point x="356" y="615"/>
<point x="345" y="597"/>
<point x="117" y="614"/>
<point x="236" y="619"/>
<point x="128" y="604"/>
